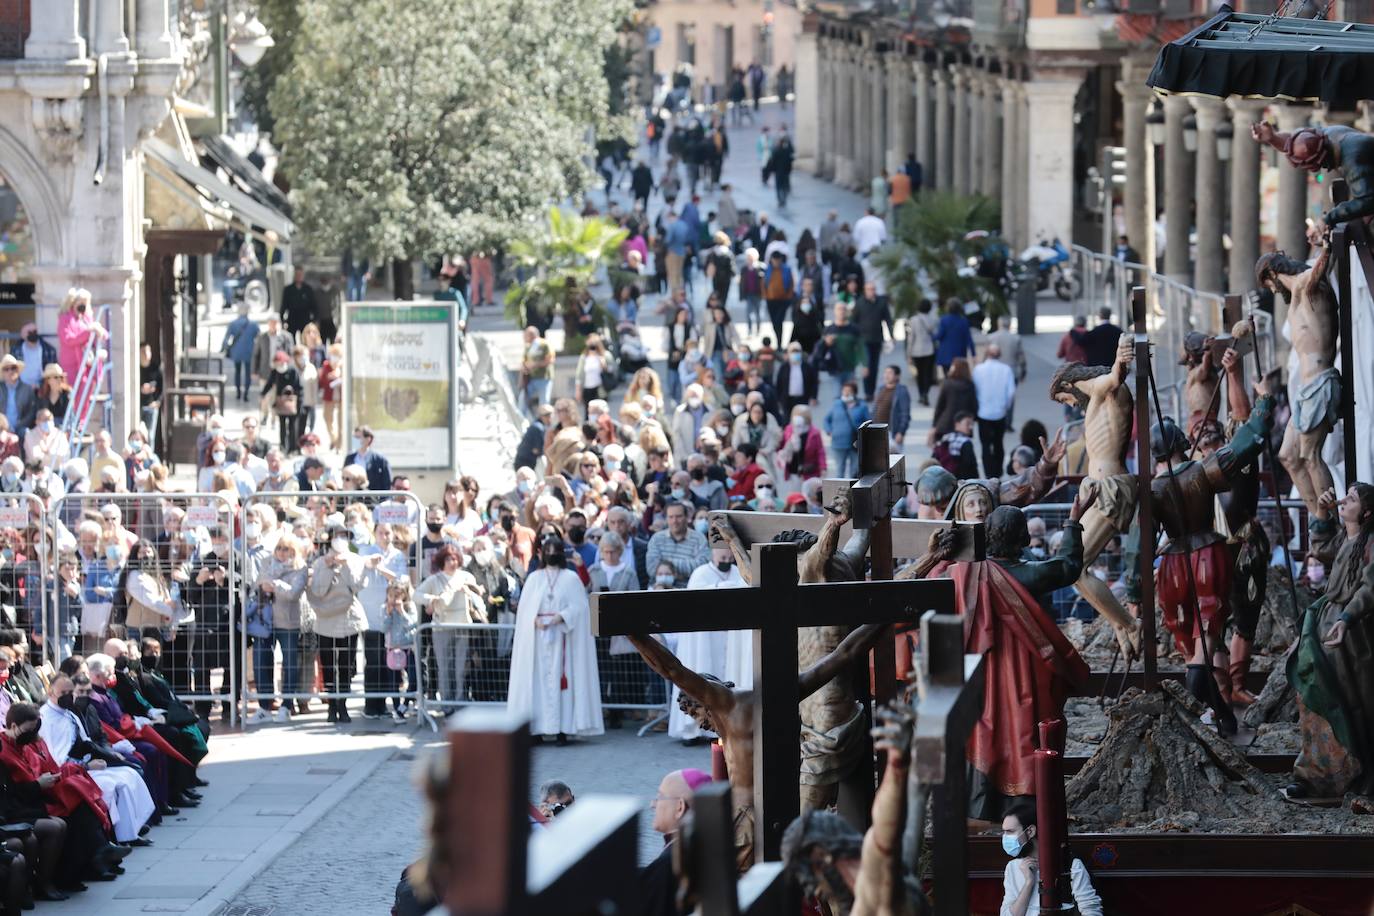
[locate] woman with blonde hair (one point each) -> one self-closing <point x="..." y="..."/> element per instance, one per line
<point x="313" y="343"/>
<point x="75" y="325"/>
<point x="643" y="382"/>
<point x="54" y="392"/>
<point x="652" y="437"/>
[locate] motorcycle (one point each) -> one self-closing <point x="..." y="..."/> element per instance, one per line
<point x="1052" y="266"/>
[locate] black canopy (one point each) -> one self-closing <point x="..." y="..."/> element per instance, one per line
<point x="1277" y="57"/>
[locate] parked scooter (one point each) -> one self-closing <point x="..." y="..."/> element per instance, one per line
<point x="1052" y="266"/>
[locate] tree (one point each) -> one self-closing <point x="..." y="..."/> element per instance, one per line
<point x="562" y="262"/>
<point x="927" y="255"/>
<point x="411" y="128"/>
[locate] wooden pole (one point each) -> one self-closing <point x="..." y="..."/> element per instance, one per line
<point x="777" y="753"/>
<point x="1342" y="238"/>
<point x="1145" y="473"/>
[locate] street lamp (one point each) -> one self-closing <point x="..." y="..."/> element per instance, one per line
<point x="250" y="40"/>
<point x="1225" y="134"/>
<point x="1154" y="124"/>
<point x="1190" y="133"/>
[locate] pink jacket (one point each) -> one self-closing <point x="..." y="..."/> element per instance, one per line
<point x="73" y="331"/>
<point x="812" y="457"/>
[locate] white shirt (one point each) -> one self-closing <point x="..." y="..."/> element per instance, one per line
<point x="1089" y="904"/>
<point x="796" y="381"/>
<point x="869" y="232"/>
<point x="591" y="370"/>
<point x="996" y="386"/>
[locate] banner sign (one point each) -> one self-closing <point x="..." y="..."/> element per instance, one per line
<point x="401" y="371"/>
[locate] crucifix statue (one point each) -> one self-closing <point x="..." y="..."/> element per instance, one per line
<point x="762" y="750"/>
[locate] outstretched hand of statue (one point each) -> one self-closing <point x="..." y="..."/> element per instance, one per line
<point x="720" y="529"/>
<point x="1262" y="132"/>
<point x="1087" y="495"/>
<point x="1326" y="503"/>
<point x="1229" y="360"/>
<point x="839" y="507"/>
<point x="1055" y="451"/>
<point x="1335" y="635"/>
<point x="892" y="733"/>
<point x="943" y="543"/>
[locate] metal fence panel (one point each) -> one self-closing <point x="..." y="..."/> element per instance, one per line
<point x="25" y="572"/>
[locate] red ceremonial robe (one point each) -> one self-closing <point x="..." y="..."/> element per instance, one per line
<point x="74" y="786"/>
<point x="1030" y="669"/>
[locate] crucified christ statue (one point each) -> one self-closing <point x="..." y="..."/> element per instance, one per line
<point x="1107" y="405"/>
<point x="832" y="717"/>
<point x="720" y="707"/>
<point x="1312" y="316"/>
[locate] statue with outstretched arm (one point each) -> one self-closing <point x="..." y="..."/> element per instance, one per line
<point x="719" y="706"/>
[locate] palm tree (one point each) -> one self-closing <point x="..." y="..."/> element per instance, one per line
<point x="927" y="255"/>
<point x="561" y="263"/>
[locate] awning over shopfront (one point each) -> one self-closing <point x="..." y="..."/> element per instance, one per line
<point x="1272" y="57"/>
<point x="191" y="180"/>
<point x="245" y="174"/>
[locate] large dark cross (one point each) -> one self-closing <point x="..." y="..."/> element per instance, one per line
<point x="584" y="864"/>
<point x="706" y="862"/>
<point x="774" y="608"/>
<point x="1145" y="468"/>
<point x="945" y="716"/>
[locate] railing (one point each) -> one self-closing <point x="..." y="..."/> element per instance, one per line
<point x="1175" y="310"/>
<point x="91" y="384"/>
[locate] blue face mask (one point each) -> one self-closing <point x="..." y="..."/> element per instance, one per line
<point x="112" y="552"/>
<point x="1011" y="845"/>
<point x="357" y="443"/>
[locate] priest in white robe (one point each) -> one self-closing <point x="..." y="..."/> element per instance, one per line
<point x="729" y="655"/>
<point x="122" y="788"/>
<point x="553" y="675"/>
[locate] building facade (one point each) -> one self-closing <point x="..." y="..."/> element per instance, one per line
<point x="714" y="36"/>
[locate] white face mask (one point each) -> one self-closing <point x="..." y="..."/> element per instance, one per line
<point x="218" y="455"/>
<point x="722" y="430"/>
<point x="694" y="402"/>
<point x="483" y="557"/>
<point x="339" y="545"/>
<point x="253" y="530"/>
<point x="737" y="409"/>
<point x="801" y="425"/>
<point x="360" y="533"/>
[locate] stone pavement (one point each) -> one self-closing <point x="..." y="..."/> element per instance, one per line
<point x="350" y="859"/>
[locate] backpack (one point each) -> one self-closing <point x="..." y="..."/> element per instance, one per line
<point x="946" y="458"/>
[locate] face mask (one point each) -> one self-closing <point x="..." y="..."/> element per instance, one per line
<point x="801" y="426"/>
<point x="700" y="525"/>
<point x="523" y="486"/>
<point x="647" y="411"/>
<point x="508" y="523"/>
<point x="26" y="738"/>
<point x="722" y="430"/>
<point x="794" y="358"/>
<point x="112" y="552"/>
<point x="663" y="580"/>
<point x="65" y="701"/>
<point x="339" y="545"/>
<point x="806" y="307"/>
<point x="31" y="337"/>
<point x="216" y="430"/>
<point x="45" y="426"/>
<point x="577" y="534"/>
<point x="218" y="457"/>
<point x="724" y="565"/>
<point x="1011" y="845"/>
<point x="678" y="495"/>
<point x="1315" y="574"/>
<point x="737" y="409"/>
<point x="694" y="402"/>
<point x="434" y="527"/>
<point x="1037" y="552"/>
<point x="483" y="557"/>
<point x="357" y="443"/>
<point x="847" y="398"/>
<point x="150" y="662"/>
<point x="698" y="474"/>
<point x="301" y="362"/>
<point x="135" y="444"/>
<point x="80" y="705"/>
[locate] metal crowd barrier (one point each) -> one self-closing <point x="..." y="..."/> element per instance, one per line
<point x="198" y="637"/>
<point x="26" y="570"/>
<point x="473" y="669"/>
<point x="292" y="657"/>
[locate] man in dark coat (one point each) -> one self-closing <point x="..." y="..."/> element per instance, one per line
<point x="298" y="306"/>
<point x="375" y="463"/>
<point x="780" y="168"/>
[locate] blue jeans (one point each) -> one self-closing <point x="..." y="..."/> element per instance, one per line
<point x="149" y="417"/>
<point x="536" y="393"/>
<point x="674" y="385"/>
<point x="753" y="311"/>
<point x="846" y="463"/>
<point x="263" y="667"/>
<point x="357" y="288"/>
<point x="243" y="378"/>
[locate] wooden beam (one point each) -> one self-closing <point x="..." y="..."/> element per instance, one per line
<point x="487" y="866"/>
<point x="910" y="536"/>
<point x="777" y="746"/>
<point x="1343" y="239"/>
<point x="1145" y="473"/>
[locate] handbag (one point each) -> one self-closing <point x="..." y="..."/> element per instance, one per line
<point x="258" y="621"/>
<point x="397" y="659"/>
<point x="285" y="404"/>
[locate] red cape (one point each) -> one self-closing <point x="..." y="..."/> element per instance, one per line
<point x="73" y="788"/>
<point x="1031" y="668"/>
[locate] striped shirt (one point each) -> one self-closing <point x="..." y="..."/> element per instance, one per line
<point x="685" y="555"/>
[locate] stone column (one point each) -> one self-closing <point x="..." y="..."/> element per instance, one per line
<point x="992" y="137"/>
<point x="944" y="133"/>
<point x="879" y="125"/>
<point x="1135" y="104"/>
<point x="1210" y="199"/>
<point x="1012" y="130"/>
<point x="1024" y="175"/>
<point x="961" y="137"/>
<point x="1178" y="191"/>
<point x="975" y="132"/>
<point x="53" y="31"/>
<point x="1049" y="119"/>
<point x="899" y="105"/>
<point x="863" y="137"/>
<point x="1291" y="230"/>
<point x="823" y="134"/>
<point x="925" y="131"/>
<point x="153" y="38"/>
<point x="808" y="105"/>
<point x="844" y="116"/>
<point x="1245" y="195"/>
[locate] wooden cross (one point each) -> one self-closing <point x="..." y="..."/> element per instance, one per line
<point x="774" y="608"/>
<point x="1145" y="468"/>
<point x="945" y="717"/>
<point x="706" y="856"/>
<point x="584" y="863"/>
